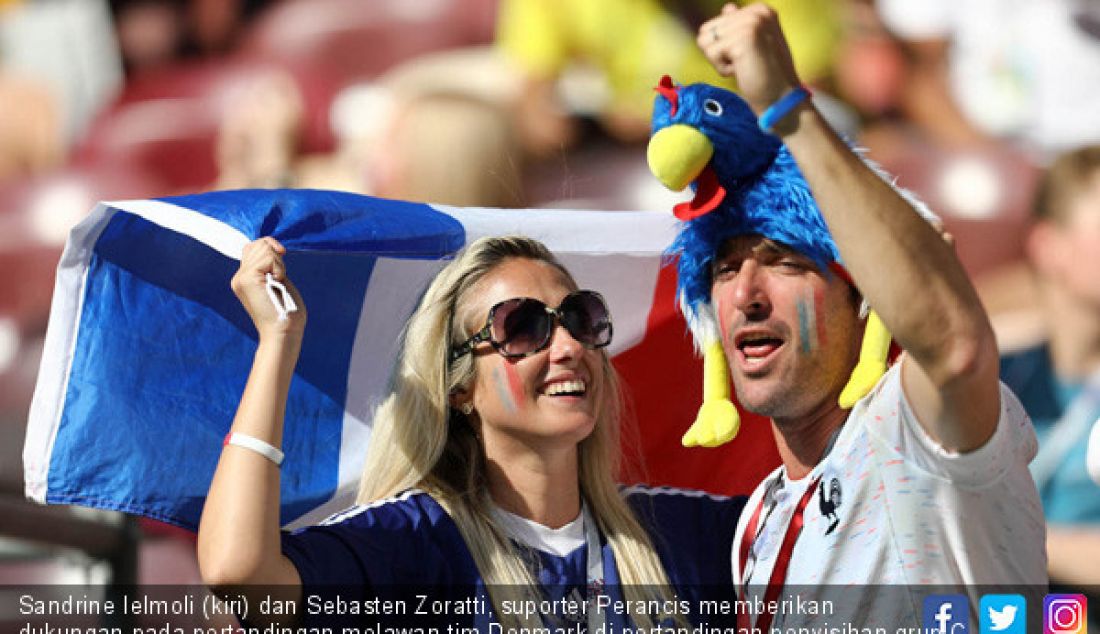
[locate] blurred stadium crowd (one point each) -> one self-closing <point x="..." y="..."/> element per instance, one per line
<point x="512" y="103"/>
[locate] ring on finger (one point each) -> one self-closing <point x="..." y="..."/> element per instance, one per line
<point x="714" y="33"/>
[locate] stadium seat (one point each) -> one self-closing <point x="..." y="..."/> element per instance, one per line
<point x="983" y="196"/>
<point x="166" y="122"/>
<point x="359" y="40"/>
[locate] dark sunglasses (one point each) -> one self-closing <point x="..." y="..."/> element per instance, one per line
<point x="522" y="326"/>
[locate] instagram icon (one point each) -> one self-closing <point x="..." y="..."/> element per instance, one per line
<point x="1065" y="614"/>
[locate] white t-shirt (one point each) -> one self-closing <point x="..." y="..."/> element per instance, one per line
<point x="899" y="512"/>
<point x="557" y="541"/>
<point x="1020" y="69"/>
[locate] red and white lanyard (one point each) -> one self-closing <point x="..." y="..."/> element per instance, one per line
<point x="782" y="561"/>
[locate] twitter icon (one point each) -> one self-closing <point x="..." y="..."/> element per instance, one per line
<point x="1003" y="614"/>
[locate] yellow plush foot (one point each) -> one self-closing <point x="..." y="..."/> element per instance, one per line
<point x="872" y="362"/>
<point x="716" y="424"/>
<point x="863" y="380"/>
<point x="718" y="421"/>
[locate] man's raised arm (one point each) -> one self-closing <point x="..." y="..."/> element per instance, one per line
<point x="904" y="269"/>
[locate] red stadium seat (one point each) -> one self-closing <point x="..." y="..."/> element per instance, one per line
<point x="166" y="122"/>
<point x="982" y="194"/>
<point x="358" y="39"/>
<point x="35" y="217"/>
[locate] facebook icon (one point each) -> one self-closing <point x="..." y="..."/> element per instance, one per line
<point x="946" y="614"/>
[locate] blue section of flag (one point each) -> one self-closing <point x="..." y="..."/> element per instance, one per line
<point x="337" y="221"/>
<point x="163" y="347"/>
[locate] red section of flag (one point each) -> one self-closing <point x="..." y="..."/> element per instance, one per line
<point x="664" y="386"/>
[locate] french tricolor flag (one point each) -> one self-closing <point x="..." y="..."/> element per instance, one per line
<point x="148" y="350"/>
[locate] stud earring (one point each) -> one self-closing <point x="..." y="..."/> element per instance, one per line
<point x="467" y="408"/>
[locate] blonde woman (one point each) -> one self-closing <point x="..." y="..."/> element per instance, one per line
<point x="491" y="465"/>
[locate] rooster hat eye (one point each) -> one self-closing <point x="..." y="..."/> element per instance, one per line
<point x="712" y="107"/>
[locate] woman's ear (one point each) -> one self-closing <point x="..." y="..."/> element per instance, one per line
<point x="462" y="400"/>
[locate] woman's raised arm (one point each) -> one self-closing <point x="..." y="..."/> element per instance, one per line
<point x="238" y="545"/>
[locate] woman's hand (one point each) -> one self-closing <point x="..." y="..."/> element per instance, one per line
<point x="261" y="257"/>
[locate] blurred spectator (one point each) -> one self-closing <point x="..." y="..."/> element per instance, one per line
<point x="1017" y="70"/>
<point x="390" y="135"/>
<point x="153" y="33"/>
<point x="68" y="48"/>
<point x="869" y="73"/>
<point x="558" y="66"/>
<point x="214" y="26"/>
<point x="150" y="34"/>
<point x="425" y="129"/>
<point x="259" y="135"/>
<point x="1058" y="381"/>
<point x="435" y="129"/>
<point x="630" y="44"/>
<point x="30" y="127"/>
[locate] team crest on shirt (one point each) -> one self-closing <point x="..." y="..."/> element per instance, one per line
<point x="829" y="499"/>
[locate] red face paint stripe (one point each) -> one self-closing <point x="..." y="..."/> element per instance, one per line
<point x="725" y="323"/>
<point x="515" y="386"/>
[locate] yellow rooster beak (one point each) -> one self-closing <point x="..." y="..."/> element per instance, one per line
<point x="677" y="154"/>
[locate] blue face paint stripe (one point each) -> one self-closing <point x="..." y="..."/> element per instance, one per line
<point x="803" y="328"/>
<point x="503" y="394"/>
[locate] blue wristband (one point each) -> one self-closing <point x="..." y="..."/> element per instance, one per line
<point x="780" y="109"/>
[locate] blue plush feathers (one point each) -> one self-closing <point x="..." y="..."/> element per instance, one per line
<point x="766" y="193"/>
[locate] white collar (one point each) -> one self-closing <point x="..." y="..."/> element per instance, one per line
<point x="581" y="532"/>
<point x="556" y="541"/>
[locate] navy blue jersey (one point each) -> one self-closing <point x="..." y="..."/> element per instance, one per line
<point x="409" y="546"/>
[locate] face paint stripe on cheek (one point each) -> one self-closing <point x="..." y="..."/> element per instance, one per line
<point x="803" y="328"/>
<point x="725" y="321"/>
<point x="807" y="325"/>
<point x="819" y="309"/>
<point x="500" y="384"/>
<point x="515" y="385"/>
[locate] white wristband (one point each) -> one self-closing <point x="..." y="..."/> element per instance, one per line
<point x="255" y="444"/>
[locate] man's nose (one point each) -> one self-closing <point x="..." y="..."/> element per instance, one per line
<point x="748" y="293"/>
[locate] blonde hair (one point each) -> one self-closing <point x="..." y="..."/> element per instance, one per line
<point x="1063" y="181"/>
<point x="420" y="441"/>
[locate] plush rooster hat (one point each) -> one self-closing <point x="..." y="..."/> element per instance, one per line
<point x="746" y="182"/>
